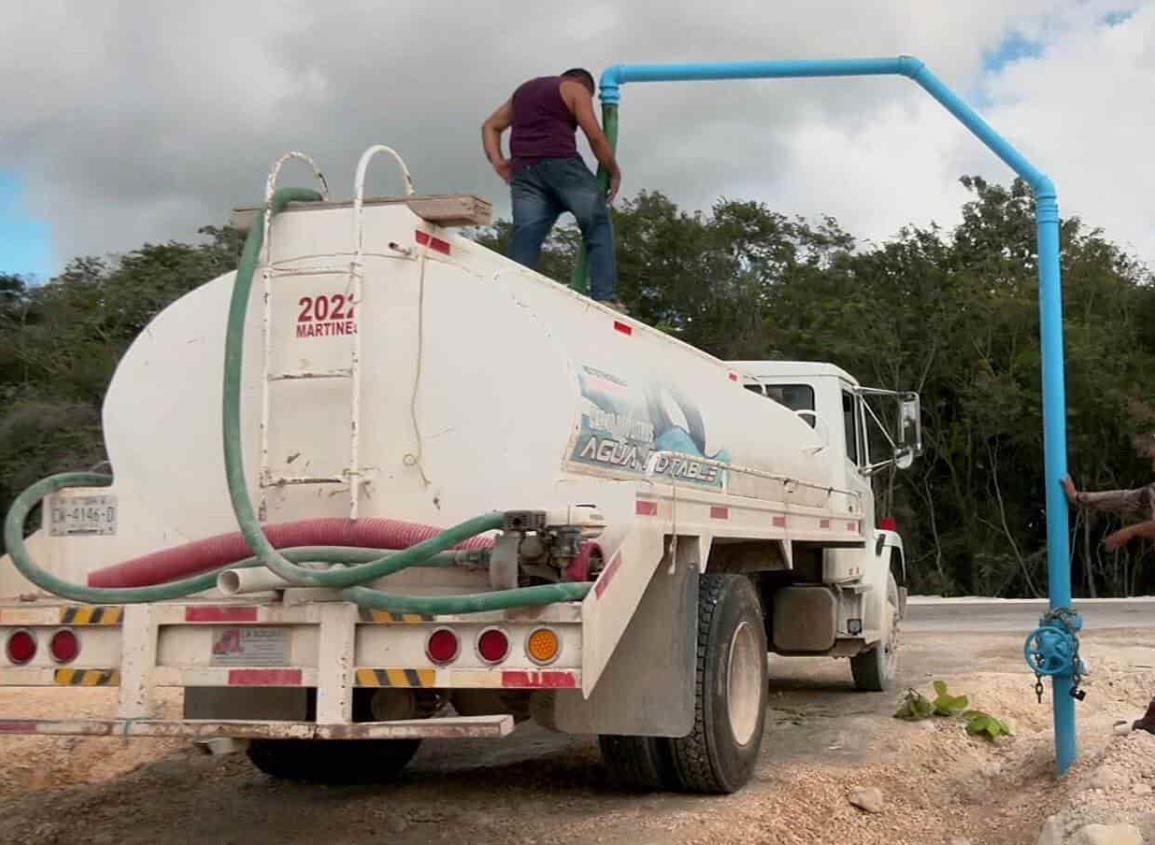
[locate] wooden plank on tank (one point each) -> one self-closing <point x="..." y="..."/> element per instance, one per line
<point x="439" y="209"/>
<point x="452" y="209"/>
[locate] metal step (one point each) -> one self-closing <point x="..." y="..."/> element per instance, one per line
<point x="286" y="272"/>
<point x="292" y="480"/>
<point x="442" y="728"/>
<point x="346" y="372"/>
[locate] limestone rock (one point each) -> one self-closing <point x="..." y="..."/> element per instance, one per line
<point x="1052" y="832"/>
<point x="1108" y="834"/>
<point x="867" y="798"/>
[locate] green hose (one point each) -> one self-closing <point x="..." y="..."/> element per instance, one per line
<point x="470" y="603"/>
<point x="580" y="277"/>
<point x="368" y="564"/>
<point x="251" y="527"/>
<point x="26" y="501"/>
<point x="14" y="542"/>
<point x="234" y="457"/>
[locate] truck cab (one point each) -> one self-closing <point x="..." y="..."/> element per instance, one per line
<point x="873" y="430"/>
<point x="849" y="418"/>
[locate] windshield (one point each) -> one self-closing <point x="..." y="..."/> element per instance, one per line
<point x="796" y="397"/>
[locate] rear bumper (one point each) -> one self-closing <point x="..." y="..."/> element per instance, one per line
<point x="437" y="728"/>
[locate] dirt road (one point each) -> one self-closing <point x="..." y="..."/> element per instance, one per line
<point x="824" y="739"/>
<point x="974" y="615"/>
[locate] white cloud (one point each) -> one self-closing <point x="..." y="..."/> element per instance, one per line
<point x="898" y="167"/>
<point x="1085" y="113"/>
<point x="141" y="120"/>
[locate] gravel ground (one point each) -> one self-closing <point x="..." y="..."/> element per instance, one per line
<point x="824" y="740"/>
<point x="1112" y="787"/>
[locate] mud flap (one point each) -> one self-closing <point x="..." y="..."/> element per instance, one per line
<point x="647" y="687"/>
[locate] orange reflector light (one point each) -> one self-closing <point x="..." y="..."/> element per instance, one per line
<point x="543" y="646"/>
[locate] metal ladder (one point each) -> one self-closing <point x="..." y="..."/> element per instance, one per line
<point x="353" y="474"/>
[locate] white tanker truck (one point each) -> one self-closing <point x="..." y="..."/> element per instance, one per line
<point x="466" y="496"/>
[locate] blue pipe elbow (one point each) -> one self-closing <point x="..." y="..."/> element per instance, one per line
<point x="910" y="67"/>
<point x="609" y="86"/>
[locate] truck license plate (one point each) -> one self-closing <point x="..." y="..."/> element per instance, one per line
<point x="250" y="647"/>
<point x="70" y="516"/>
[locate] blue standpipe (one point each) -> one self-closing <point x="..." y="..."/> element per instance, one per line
<point x="1053" y="648"/>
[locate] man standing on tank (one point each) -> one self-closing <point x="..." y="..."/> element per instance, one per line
<point x="547" y="176"/>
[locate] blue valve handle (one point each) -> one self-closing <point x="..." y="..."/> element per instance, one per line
<point x="1050" y="651"/>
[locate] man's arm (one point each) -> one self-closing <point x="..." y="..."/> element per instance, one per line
<point x="1139" y="531"/>
<point x="581" y="102"/>
<point x="1117" y="501"/>
<point x="491" y="131"/>
<point x="1109" y="501"/>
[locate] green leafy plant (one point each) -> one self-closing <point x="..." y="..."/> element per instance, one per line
<point x="946" y="704"/>
<point x="914" y="707"/>
<point x="986" y="725"/>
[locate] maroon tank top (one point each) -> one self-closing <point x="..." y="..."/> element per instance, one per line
<point x="543" y="125"/>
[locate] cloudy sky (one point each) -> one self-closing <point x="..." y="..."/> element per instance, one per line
<point x="138" y="120"/>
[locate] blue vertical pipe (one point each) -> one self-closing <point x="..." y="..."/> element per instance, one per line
<point x="1055" y="456"/>
<point x="1050" y="291"/>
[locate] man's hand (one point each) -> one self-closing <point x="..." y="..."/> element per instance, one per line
<point x="1120" y="538"/>
<point x="580" y="101"/>
<point x="504" y="168"/>
<point x="615" y="184"/>
<point x="1138" y="531"/>
<point x="1072" y="492"/>
<point x="491" y="131"/>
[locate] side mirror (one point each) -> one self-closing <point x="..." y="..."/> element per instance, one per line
<point x="905" y="440"/>
<point x="909" y="430"/>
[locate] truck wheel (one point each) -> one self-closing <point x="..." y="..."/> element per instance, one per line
<point x="719" y="754"/>
<point x="332" y="761"/>
<point x="639" y="763"/>
<point x="876" y="670"/>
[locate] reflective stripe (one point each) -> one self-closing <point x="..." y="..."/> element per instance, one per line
<point x="399" y="678"/>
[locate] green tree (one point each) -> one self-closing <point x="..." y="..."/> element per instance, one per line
<point x="60" y="343"/>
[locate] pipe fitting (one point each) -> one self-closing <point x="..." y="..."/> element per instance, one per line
<point x="609" y="86"/>
<point x="909" y="66"/>
<point x="1053" y="648"/>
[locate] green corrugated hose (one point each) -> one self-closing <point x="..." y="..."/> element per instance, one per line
<point x="26" y="501"/>
<point x="234" y="455"/>
<point x="470" y="603"/>
<point x="367" y="564"/>
<point x="14" y="542"/>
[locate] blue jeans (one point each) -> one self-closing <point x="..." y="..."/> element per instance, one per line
<point x="541" y="192"/>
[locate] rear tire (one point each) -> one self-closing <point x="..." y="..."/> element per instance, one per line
<point x="719" y="754"/>
<point x="332" y="761"/>
<point x="877" y="670"/>
<point x="638" y="763"/>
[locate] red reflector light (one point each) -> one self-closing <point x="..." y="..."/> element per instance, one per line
<point x="21" y="647"/>
<point x="64" y="646"/>
<point x="889" y="524"/>
<point x="442" y="646"/>
<point x="493" y="645"/>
